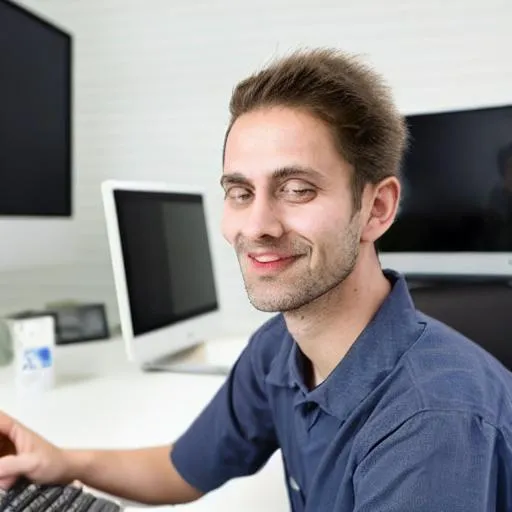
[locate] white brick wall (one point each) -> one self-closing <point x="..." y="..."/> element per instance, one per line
<point x="153" y="80"/>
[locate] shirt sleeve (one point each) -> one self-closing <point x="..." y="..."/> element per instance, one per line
<point x="234" y="435"/>
<point x="434" y="461"/>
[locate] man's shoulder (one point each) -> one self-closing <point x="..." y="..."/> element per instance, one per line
<point x="443" y="374"/>
<point x="450" y="371"/>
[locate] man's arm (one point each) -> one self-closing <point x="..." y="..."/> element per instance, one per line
<point x="437" y="460"/>
<point x="233" y="436"/>
<point x="146" y="475"/>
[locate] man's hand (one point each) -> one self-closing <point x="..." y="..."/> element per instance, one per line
<point x="24" y="453"/>
<point x="145" y="475"/>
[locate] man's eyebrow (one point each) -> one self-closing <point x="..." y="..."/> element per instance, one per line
<point x="234" y="178"/>
<point x="237" y="178"/>
<point x="296" y="172"/>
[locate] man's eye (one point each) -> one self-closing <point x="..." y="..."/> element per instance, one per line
<point x="298" y="191"/>
<point x="238" y="194"/>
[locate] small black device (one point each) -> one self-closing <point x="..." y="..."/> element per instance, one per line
<point x="74" y="322"/>
<point x="80" y="322"/>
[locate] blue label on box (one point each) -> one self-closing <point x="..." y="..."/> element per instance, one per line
<point x="37" y="358"/>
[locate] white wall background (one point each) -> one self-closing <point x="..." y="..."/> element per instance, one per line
<point x="152" y="84"/>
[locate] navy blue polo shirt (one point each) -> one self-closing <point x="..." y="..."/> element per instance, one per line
<point x="415" y="417"/>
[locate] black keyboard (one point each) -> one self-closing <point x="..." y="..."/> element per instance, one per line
<point x="25" y="496"/>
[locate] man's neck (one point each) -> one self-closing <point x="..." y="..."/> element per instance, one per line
<point x="326" y="328"/>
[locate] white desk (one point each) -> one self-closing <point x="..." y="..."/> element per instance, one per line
<point x="102" y="401"/>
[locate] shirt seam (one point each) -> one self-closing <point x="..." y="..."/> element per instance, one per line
<point x="424" y="407"/>
<point x="408" y="366"/>
<point x="429" y="411"/>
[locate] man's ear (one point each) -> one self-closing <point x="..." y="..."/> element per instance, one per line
<point x="382" y="200"/>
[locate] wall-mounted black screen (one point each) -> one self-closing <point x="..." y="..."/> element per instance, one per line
<point x="457" y="184"/>
<point x="35" y="115"/>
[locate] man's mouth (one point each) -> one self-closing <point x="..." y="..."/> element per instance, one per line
<point x="271" y="262"/>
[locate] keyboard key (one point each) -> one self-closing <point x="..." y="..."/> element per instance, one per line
<point x="25" y="496"/>
<point x="62" y="503"/>
<point x="43" y="497"/>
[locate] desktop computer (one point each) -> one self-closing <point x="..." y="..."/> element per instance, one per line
<point x="455" y="217"/>
<point x="163" y="272"/>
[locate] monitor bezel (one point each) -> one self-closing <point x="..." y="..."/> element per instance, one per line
<point x="449" y="264"/>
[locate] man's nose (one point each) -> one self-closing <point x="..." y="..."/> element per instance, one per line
<point x="262" y="220"/>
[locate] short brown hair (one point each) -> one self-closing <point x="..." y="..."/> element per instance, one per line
<point x="351" y="98"/>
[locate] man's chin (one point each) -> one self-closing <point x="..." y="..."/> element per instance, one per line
<point x="265" y="307"/>
<point x="274" y="304"/>
<point x="264" y="304"/>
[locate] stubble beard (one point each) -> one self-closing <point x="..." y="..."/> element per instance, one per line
<point x="302" y="284"/>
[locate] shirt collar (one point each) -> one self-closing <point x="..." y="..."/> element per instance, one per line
<point x="372" y="357"/>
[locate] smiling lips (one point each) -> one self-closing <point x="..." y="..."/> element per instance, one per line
<point x="270" y="262"/>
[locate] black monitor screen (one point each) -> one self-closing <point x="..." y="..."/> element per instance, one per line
<point x="166" y="251"/>
<point x="35" y="115"/>
<point x="457" y="184"/>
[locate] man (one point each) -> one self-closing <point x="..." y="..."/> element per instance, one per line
<point x="374" y="406"/>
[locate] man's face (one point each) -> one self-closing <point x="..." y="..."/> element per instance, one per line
<point x="288" y="208"/>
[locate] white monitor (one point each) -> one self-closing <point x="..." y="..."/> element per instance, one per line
<point x="163" y="267"/>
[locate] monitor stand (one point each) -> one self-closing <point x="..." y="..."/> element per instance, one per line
<point x="199" y="359"/>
